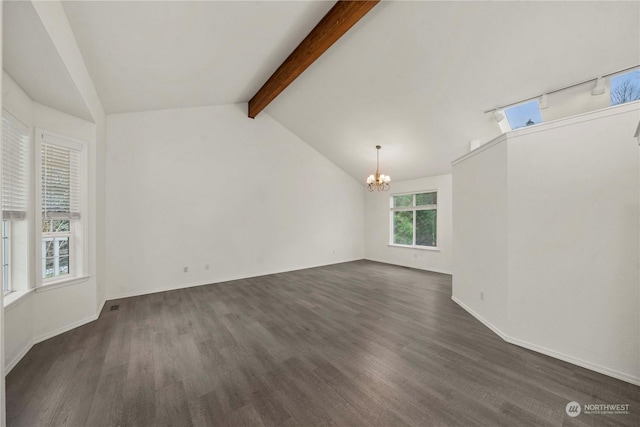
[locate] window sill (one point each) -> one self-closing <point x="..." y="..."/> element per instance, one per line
<point x="49" y="286"/>
<point x="13" y="298"/>
<point x="422" y="248"/>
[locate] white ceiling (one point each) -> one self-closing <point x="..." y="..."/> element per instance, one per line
<point x="32" y="60"/>
<point x="414" y="77"/>
<point x="158" y="55"/>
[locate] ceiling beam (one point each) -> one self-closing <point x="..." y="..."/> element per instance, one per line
<point x="342" y="16"/>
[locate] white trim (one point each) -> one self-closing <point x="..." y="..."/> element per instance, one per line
<point x="432" y="270"/>
<point x="613" y="110"/>
<point x="101" y="306"/>
<point x="482" y="320"/>
<point x="78" y="260"/>
<point x="49" y="286"/>
<point x="495" y="141"/>
<point x="12" y="364"/>
<point x="216" y="281"/>
<point x="14" y="298"/>
<point x="49" y="137"/>
<point x="45" y="337"/>
<point x="552" y="353"/>
<point x="413" y="208"/>
<point x="422" y="248"/>
<point x="562" y="122"/>
<point x="411" y="193"/>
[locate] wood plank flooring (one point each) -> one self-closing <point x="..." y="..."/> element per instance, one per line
<point x="351" y="344"/>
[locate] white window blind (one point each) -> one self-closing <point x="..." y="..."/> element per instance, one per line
<point x="15" y="143"/>
<point x="60" y="178"/>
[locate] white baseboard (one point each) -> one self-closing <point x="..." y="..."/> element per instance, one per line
<point x="160" y="289"/>
<point x="548" y="352"/>
<point x="212" y="282"/>
<point x="12" y="364"/>
<point x="482" y="320"/>
<point x="65" y="328"/>
<point x="433" y="270"/>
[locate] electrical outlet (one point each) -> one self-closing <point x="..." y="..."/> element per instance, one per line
<point x="481" y="296"/>
<point x="186" y="269"/>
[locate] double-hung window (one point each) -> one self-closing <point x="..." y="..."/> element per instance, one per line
<point x="15" y="199"/>
<point x="61" y="164"/>
<point x="414" y="219"/>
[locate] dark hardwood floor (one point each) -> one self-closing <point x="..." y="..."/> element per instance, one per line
<point x="352" y="344"/>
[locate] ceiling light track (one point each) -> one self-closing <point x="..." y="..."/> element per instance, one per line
<point x="599" y="91"/>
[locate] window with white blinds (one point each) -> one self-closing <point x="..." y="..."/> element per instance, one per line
<point x="60" y="178"/>
<point x="15" y="145"/>
<point x="61" y="163"/>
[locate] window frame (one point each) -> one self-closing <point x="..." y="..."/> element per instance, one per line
<point x="413" y="208"/>
<point x="609" y="84"/>
<point x="78" y="228"/>
<point x="5" y="235"/>
<point x="17" y="229"/>
<point x="507" y="112"/>
<point x="54" y="237"/>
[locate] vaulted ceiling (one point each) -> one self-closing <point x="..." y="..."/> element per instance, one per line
<point x="414" y="77"/>
<point x="31" y="59"/>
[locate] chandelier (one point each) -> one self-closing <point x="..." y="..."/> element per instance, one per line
<point x="378" y="181"/>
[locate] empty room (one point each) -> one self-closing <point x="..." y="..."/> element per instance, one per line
<point x="320" y="213"/>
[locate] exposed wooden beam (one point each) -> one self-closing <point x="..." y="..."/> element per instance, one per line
<point x="342" y="16"/>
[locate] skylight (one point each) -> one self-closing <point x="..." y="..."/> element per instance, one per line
<point x="625" y="88"/>
<point x="522" y="115"/>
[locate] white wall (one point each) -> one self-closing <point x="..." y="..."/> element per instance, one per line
<point x="377" y="226"/>
<point x="209" y="186"/>
<point x="3" y="407"/>
<point x="43" y="313"/>
<point x="571" y="255"/>
<point x="573" y="239"/>
<point x="480" y="233"/>
<point x="55" y="21"/>
<point x="575" y="100"/>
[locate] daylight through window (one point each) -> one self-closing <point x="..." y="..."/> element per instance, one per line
<point x="625" y="88"/>
<point x="414" y="219"/>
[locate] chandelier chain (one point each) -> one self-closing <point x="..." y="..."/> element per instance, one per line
<point x="378" y="181"/>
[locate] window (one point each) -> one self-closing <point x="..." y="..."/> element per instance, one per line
<point x="625" y="88"/>
<point x="6" y="250"/>
<point x="61" y="170"/>
<point x="55" y="248"/>
<point x="522" y="115"/>
<point x="414" y="219"/>
<point x="15" y="196"/>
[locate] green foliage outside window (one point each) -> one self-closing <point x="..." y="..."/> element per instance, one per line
<point x="424" y="209"/>
<point x="403" y="228"/>
<point x="426" y="228"/>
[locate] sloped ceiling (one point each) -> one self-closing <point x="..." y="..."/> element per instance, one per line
<point x="156" y="55"/>
<point x="31" y="59"/>
<point x="414" y="77"/>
